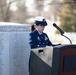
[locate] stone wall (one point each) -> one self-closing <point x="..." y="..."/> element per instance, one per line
<point x="14" y="49"/>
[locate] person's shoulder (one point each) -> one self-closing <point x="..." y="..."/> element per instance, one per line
<point x="33" y="32"/>
<point x="44" y="33"/>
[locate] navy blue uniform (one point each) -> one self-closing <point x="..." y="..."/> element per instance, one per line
<point x="39" y="40"/>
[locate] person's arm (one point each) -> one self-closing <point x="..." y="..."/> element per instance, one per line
<point x="56" y="44"/>
<point x="50" y="43"/>
<point x="32" y="41"/>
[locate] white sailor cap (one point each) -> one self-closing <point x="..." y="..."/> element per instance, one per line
<point x="39" y="20"/>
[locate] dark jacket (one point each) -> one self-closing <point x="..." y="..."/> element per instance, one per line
<point x="39" y="40"/>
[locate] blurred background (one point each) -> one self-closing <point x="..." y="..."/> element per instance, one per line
<point x="61" y="12"/>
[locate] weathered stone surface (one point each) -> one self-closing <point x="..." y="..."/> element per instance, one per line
<point x="14" y="50"/>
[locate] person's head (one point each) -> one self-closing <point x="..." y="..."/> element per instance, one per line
<point x="40" y="23"/>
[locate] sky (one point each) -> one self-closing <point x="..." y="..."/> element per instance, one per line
<point x="13" y="6"/>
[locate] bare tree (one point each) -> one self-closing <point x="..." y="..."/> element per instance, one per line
<point x="7" y="15"/>
<point x="39" y="5"/>
<point x="2" y="9"/>
<point x="5" y="12"/>
<point x="20" y="14"/>
<point x="56" y="8"/>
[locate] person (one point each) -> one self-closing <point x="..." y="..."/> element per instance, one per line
<point x="37" y="37"/>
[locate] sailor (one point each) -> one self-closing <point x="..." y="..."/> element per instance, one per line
<point x="37" y="37"/>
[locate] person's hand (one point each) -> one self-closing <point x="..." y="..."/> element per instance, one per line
<point x="59" y="44"/>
